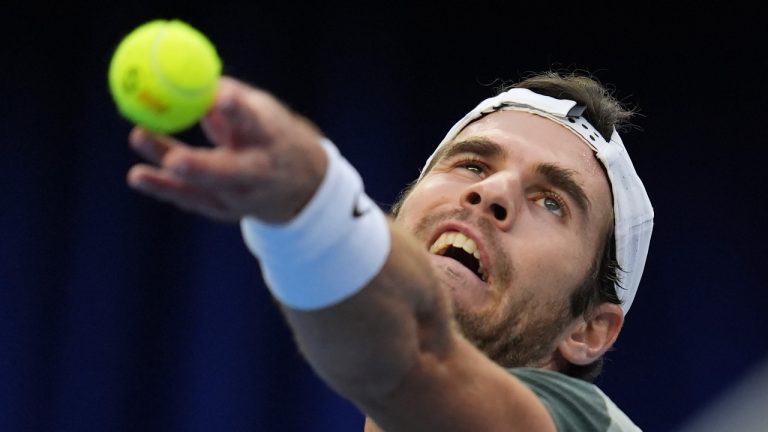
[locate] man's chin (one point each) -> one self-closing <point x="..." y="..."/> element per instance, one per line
<point x="515" y="337"/>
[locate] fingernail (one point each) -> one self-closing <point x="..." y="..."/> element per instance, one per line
<point x="137" y="184"/>
<point x="228" y="108"/>
<point x="142" y="143"/>
<point x="180" y="167"/>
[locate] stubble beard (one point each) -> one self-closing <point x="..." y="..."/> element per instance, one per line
<point x="517" y="330"/>
<point x="523" y="333"/>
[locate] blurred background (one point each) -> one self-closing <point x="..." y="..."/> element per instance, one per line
<point x="120" y="313"/>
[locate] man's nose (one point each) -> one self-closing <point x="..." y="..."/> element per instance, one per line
<point x="494" y="197"/>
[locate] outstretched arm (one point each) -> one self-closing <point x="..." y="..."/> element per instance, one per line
<point x="390" y="348"/>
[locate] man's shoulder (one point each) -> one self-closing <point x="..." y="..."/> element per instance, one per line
<point x="575" y="405"/>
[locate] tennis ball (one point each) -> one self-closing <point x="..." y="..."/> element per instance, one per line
<point x="163" y="75"/>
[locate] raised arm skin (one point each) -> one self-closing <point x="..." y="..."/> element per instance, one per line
<point x="393" y="351"/>
<point x="391" y="348"/>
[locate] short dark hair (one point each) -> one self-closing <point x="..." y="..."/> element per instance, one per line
<point x="605" y="113"/>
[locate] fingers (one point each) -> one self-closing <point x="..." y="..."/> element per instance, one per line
<point x="153" y="147"/>
<point x="163" y="186"/>
<point x="265" y="159"/>
<point x="209" y="167"/>
<point x="243" y="116"/>
<point x="215" y="124"/>
<point x="219" y="167"/>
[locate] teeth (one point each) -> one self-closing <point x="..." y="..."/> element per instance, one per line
<point x="459" y="240"/>
<point x="438" y="245"/>
<point x="455" y="239"/>
<point x="471" y="247"/>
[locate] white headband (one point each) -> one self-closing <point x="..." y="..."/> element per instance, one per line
<point x="633" y="213"/>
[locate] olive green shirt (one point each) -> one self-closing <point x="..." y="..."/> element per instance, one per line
<point x="575" y="405"/>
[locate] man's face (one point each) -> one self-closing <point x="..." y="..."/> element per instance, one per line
<point x="513" y="212"/>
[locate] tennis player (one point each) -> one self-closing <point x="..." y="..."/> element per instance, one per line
<point x="485" y="301"/>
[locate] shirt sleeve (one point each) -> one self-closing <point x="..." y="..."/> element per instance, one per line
<point x="575" y="405"/>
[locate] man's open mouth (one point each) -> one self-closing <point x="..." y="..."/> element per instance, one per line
<point x="453" y="244"/>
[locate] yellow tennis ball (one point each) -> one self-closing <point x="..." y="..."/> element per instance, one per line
<point x="163" y="75"/>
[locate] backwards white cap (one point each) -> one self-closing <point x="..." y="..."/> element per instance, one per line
<point x="633" y="213"/>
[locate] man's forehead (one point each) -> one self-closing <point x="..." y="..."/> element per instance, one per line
<point x="530" y="134"/>
<point x="522" y="124"/>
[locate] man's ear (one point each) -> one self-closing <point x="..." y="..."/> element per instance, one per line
<point x="592" y="335"/>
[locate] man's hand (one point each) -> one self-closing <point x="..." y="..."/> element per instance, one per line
<point x="266" y="161"/>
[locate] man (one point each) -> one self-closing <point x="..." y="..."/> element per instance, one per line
<point x="510" y="265"/>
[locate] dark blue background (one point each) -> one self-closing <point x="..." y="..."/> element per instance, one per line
<point x="121" y="313"/>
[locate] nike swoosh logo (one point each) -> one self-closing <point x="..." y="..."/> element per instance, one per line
<point x="356" y="211"/>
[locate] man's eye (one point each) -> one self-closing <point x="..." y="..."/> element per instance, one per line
<point x="474" y="167"/>
<point x="551" y="204"/>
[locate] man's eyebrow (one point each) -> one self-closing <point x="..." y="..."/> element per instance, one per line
<point x="480" y="146"/>
<point x="557" y="176"/>
<point x="563" y="179"/>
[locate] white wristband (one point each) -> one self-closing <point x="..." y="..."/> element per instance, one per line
<point x="331" y="250"/>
